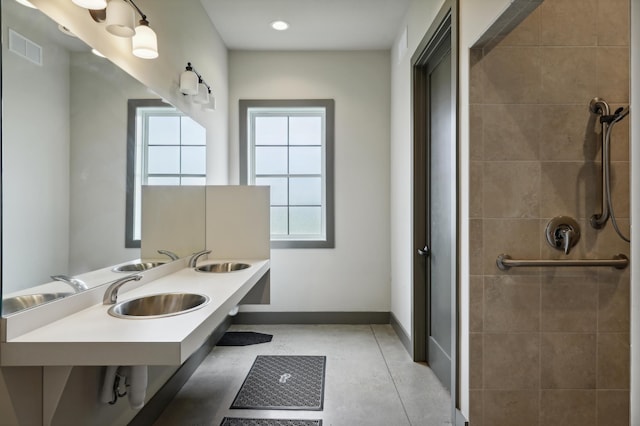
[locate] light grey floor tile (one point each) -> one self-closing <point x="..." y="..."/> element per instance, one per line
<point x="370" y="379"/>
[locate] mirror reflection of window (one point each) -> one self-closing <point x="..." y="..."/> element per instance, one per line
<point x="169" y="149"/>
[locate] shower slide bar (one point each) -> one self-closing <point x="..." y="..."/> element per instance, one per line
<point x="505" y="262"/>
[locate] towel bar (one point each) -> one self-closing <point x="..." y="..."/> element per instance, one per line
<point x="505" y="262"/>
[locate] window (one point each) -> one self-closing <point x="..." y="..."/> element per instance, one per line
<point x="288" y="145"/>
<point x="164" y="147"/>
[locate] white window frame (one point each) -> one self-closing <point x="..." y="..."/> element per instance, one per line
<point x="252" y="109"/>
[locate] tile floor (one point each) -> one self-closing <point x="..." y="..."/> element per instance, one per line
<point x="370" y="379"/>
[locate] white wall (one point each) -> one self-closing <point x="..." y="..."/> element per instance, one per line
<point x="355" y="275"/>
<point x="474" y="18"/>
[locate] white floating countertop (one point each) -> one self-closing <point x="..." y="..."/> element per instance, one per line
<point x="93" y="337"/>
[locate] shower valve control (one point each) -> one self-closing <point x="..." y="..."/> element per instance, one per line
<point x="563" y="233"/>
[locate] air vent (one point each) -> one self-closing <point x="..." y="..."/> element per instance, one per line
<point x="22" y="46"/>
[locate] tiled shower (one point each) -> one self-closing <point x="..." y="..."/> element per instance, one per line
<point x="548" y="346"/>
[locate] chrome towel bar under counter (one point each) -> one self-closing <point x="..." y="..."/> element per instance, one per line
<point x="505" y="262"/>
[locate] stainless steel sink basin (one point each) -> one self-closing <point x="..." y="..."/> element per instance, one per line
<point x="222" y="267"/>
<point x="137" y="267"/>
<point x="158" y="305"/>
<point x="18" y="303"/>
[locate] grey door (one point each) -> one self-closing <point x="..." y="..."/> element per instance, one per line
<point x="441" y="212"/>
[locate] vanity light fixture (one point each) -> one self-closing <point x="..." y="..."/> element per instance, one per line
<point x="27" y="3"/>
<point x="120" y="18"/>
<point x="192" y="83"/>
<point x="202" y="97"/>
<point x="280" y="25"/>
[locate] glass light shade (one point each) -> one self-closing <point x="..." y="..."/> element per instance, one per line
<point x="91" y="4"/>
<point x="144" y="43"/>
<point x="120" y="18"/>
<point x="203" y="95"/>
<point x="189" y="83"/>
<point x="26" y="3"/>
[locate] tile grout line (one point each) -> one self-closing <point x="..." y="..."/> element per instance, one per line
<point x="390" y="374"/>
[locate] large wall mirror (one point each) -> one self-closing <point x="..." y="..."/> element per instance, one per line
<point x="64" y="158"/>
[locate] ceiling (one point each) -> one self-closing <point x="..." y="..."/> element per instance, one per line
<point x="314" y="24"/>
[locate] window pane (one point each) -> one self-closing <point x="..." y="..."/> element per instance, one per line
<point x="279" y="220"/>
<point x="305" y="191"/>
<point x="193" y="181"/>
<point x="305" y="160"/>
<point x="305" y="131"/>
<point x="278" y="189"/>
<point x="164" y="130"/>
<point x="163" y="160"/>
<point x="271" y="161"/>
<point x="271" y="130"/>
<point x="163" y="180"/>
<point x="194" y="161"/>
<point x="192" y="133"/>
<point x="305" y="220"/>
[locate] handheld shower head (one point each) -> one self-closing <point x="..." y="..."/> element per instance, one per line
<point x="619" y="114"/>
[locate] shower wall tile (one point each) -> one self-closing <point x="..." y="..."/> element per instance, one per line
<point x="511" y="361"/>
<point x="561" y="84"/>
<point x="568" y="23"/>
<point x="620" y="137"/>
<point x="568" y="189"/>
<point x="568" y="408"/>
<point x="613" y="304"/>
<point x="613" y="74"/>
<point x="475" y="360"/>
<point x="511" y="303"/>
<point x="620" y="188"/>
<point x="511" y="75"/>
<point x="609" y="243"/>
<point x="613" y="22"/>
<point x="613" y="361"/>
<point x="613" y="408"/>
<point x="502" y="408"/>
<point x="476" y="249"/>
<point x="476" y="84"/>
<point x="511" y="132"/>
<point x="476" y="298"/>
<point x="511" y="189"/>
<point x="476" y="408"/>
<point x="567" y="133"/>
<point x="476" y="125"/>
<point x="527" y="33"/>
<point x="476" y="172"/>
<point x="569" y="304"/>
<point x="568" y="361"/>
<point x="515" y="237"/>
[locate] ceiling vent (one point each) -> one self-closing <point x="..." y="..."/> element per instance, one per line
<point x="22" y="46"/>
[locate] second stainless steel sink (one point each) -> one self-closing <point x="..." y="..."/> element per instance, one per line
<point x="222" y="267"/>
<point x="137" y="267"/>
<point x="158" y="305"/>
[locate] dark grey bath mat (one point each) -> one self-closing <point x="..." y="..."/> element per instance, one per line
<point x="279" y="382"/>
<point x="233" y="421"/>
<point x="243" y="338"/>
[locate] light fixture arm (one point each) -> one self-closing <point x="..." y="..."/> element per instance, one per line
<point x="200" y="79"/>
<point x="142" y="15"/>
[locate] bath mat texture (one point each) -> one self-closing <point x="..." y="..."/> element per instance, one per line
<point x="278" y="382"/>
<point x="243" y="338"/>
<point x="233" y="421"/>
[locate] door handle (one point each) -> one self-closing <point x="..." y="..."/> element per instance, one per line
<point x="424" y="251"/>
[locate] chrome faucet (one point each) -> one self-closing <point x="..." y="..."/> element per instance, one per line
<point x="195" y="256"/>
<point x="111" y="295"/>
<point x="171" y="254"/>
<point x="77" y="284"/>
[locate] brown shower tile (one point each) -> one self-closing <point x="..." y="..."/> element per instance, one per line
<point x="526" y="33"/>
<point x="476" y="126"/>
<point x="569" y="189"/>
<point x="511" y="361"/>
<point x="613" y="74"/>
<point x="511" y="189"/>
<point x="567" y="133"/>
<point x="608" y="242"/>
<point x="569" y="304"/>
<point x="476" y="86"/>
<point x="476" y="302"/>
<point x="475" y="246"/>
<point x="511" y="75"/>
<point x="568" y="408"/>
<point x="568" y="23"/>
<point x="476" y="404"/>
<point x="620" y="191"/>
<point x="619" y="137"/>
<point x="476" y="171"/>
<point x="475" y="361"/>
<point x="568" y="361"/>
<point x="613" y="361"/>
<point x="614" y="303"/>
<point x="508" y="408"/>
<point x="613" y="408"/>
<point x="511" y="303"/>
<point x="511" y="132"/>
<point x="518" y="238"/>
<point x="561" y="84"/>
<point x="613" y="22"/>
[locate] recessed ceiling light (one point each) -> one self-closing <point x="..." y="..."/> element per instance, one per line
<point x="26" y="3"/>
<point x="279" y="25"/>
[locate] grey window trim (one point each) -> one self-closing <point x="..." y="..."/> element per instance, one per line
<point x="329" y="107"/>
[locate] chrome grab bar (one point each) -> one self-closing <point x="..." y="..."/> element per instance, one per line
<point x="505" y="262"/>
